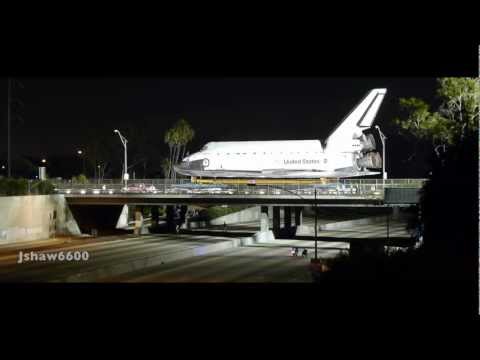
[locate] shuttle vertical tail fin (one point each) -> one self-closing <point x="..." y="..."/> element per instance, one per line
<point x="360" y="118"/>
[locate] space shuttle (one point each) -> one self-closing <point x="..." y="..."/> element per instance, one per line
<point x="349" y="151"/>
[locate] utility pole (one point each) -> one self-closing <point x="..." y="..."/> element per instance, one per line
<point x="9" y="156"/>
<point x="124" y="142"/>
<point x="382" y="138"/>
<point x="11" y="85"/>
<point x="316" y="215"/>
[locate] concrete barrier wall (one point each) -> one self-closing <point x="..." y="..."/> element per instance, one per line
<point x="306" y="230"/>
<point x="250" y="214"/>
<point x="339" y="225"/>
<point x="27" y="218"/>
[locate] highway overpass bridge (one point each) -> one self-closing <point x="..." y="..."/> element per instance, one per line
<point x="94" y="199"/>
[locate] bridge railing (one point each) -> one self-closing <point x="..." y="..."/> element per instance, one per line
<point x="343" y="187"/>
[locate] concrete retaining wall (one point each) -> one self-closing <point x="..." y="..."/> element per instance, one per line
<point x="339" y="225"/>
<point x="305" y="230"/>
<point x="250" y="214"/>
<point x="27" y="218"/>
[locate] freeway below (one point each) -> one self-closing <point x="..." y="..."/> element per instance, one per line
<point x="196" y="256"/>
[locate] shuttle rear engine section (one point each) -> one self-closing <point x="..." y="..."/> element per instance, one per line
<point x="372" y="160"/>
<point x="367" y="142"/>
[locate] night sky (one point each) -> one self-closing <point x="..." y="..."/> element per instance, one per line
<point x="62" y="114"/>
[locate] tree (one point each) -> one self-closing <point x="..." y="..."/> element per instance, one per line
<point x="169" y="140"/>
<point x="449" y="199"/>
<point x="177" y="139"/>
<point x="455" y="118"/>
<point x="166" y="166"/>
<point x="461" y="104"/>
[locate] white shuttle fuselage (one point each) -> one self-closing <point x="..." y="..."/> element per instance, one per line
<point x="349" y="151"/>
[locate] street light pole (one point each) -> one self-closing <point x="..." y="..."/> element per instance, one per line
<point x="383" y="138"/>
<point x="82" y="154"/>
<point x="316" y="223"/>
<point x="124" y="142"/>
<point x="9" y="156"/>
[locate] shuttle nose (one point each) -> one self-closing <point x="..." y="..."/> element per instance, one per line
<point x="190" y="165"/>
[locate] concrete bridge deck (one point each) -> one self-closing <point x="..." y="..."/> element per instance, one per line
<point x="342" y="192"/>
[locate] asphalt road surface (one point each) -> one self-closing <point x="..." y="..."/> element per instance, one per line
<point x="179" y="257"/>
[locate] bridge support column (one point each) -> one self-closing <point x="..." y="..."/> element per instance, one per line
<point x="183" y="214"/>
<point x="155" y="212"/>
<point x="287" y="219"/>
<point x="176" y="216"/>
<point x="298" y="215"/>
<point x="276" y="220"/>
<point x="170" y="212"/>
<point x="264" y="221"/>
<point x="137" y="229"/>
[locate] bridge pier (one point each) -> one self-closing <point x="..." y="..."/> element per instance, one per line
<point x="155" y="213"/>
<point x="137" y="229"/>
<point x="288" y="230"/>
<point x="298" y="215"/>
<point x="287" y="218"/>
<point x="170" y="218"/>
<point x="139" y="225"/>
<point x="264" y="218"/>
<point x="276" y="220"/>
<point x="176" y="216"/>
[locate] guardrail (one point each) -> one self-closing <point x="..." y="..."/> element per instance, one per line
<point x="341" y="187"/>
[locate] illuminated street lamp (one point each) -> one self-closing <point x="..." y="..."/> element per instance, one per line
<point x="82" y="154"/>
<point x="42" y="174"/>
<point x="125" y="168"/>
<point x="316" y="222"/>
<point x="383" y="138"/>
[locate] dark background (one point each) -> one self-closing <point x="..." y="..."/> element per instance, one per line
<point x="63" y="114"/>
<point x="376" y="46"/>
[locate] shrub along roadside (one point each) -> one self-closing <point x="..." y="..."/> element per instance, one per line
<point x="18" y="187"/>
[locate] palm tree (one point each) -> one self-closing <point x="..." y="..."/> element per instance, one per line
<point x="166" y="167"/>
<point x="169" y="140"/>
<point x="177" y="138"/>
<point x="187" y="134"/>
